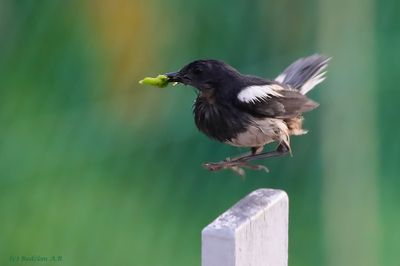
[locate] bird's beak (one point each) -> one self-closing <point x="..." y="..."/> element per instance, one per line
<point x="173" y="77"/>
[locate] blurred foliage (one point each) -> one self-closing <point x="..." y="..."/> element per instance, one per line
<point x="102" y="171"/>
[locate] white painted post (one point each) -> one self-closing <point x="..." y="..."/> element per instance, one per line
<point x="253" y="232"/>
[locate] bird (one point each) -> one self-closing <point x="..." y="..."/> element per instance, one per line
<point x="249" y="111"/>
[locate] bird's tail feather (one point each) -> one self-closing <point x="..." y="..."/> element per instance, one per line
<point x="305" y="73"/>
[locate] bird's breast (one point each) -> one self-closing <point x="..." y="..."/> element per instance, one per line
<point x="217" y="120"/>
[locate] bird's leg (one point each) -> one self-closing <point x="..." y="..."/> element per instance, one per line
<point x="230" y="161"/>
<point x="236" y="166"/>
<point x="236" y="163"/>
<point x="243" y="161"/>
<point x="281" y="150"/>
<point x="254" y="150"/>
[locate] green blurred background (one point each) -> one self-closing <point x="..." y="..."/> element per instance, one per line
<point x="102" y="171"/>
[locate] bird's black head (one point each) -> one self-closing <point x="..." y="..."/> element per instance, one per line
<point x="205" y="74"/>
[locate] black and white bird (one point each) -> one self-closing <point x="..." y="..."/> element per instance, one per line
<point x="249" y="111"/>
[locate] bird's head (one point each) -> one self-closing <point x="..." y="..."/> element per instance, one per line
<point x="205" y="74"/>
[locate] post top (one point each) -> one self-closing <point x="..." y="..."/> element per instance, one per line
<point x="244" y="212"/>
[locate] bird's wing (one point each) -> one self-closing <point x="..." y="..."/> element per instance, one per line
<point x="273" y="100"/>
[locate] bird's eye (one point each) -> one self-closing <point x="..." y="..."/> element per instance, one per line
<point x="197" y="71"/>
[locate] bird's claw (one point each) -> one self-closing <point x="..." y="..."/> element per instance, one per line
<point x="236" y="166"/>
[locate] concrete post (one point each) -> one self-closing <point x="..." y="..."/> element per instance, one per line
<point x="253" y="232"/>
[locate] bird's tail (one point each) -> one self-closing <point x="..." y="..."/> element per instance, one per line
<point x="305" y="73"/>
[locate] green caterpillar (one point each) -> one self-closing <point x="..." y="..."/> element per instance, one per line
<point x="160" y="81"/>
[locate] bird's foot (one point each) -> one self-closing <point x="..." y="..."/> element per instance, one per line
<point x="235" y="165"/>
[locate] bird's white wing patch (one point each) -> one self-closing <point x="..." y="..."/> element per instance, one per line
<point x="253" y="94"/>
